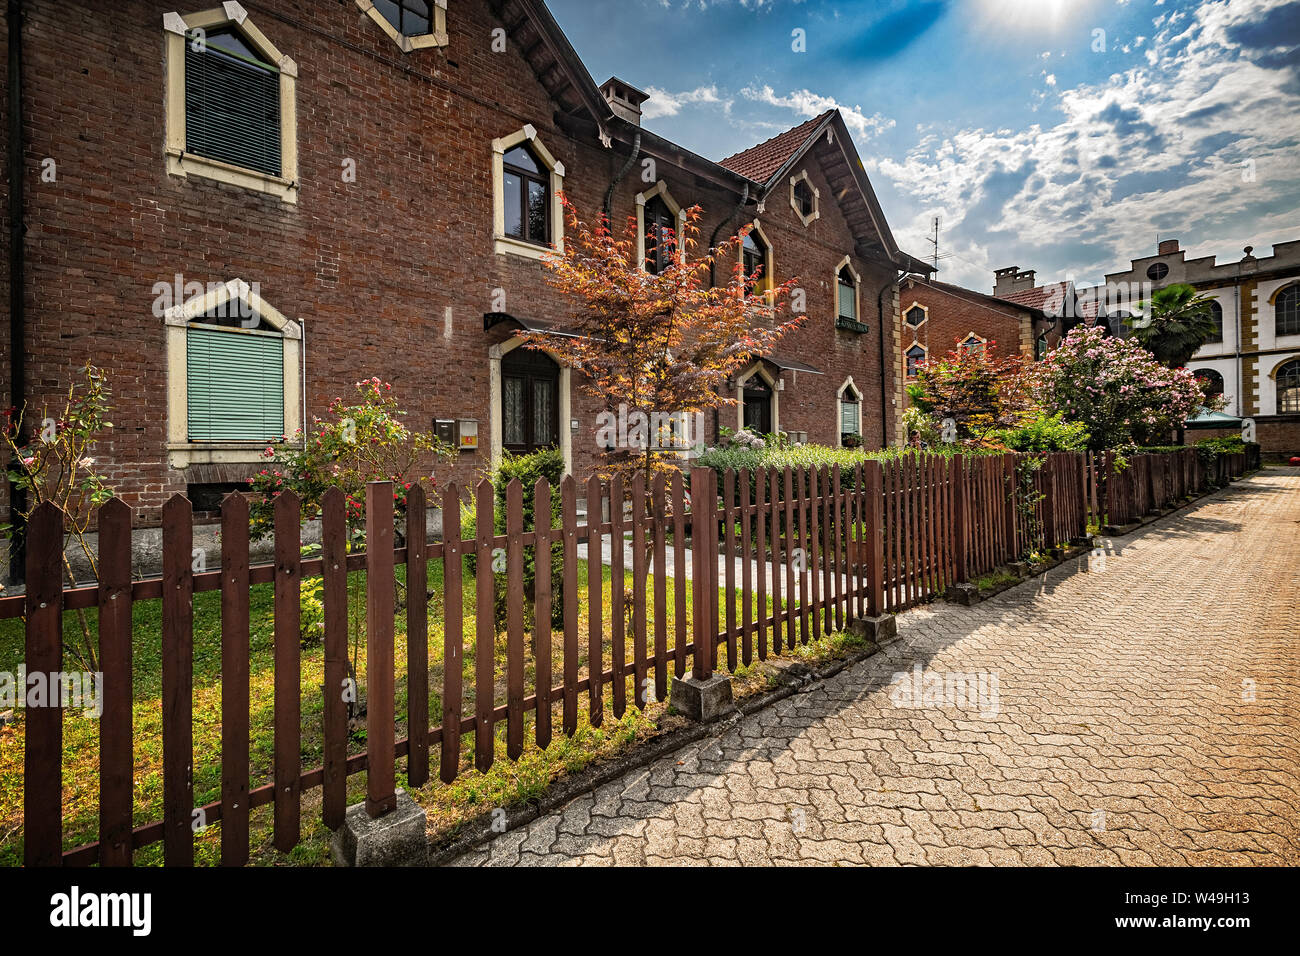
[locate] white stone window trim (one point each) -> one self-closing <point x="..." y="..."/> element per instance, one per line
<point x="660" y="189"/>
<point x="847" y="261"/>
<point x="771" y="382"/>
<point x="980" y="340"/>
<point x="502" y="243"/>
<point x="817" y="198"/>
<point x="437" y="38"/>
<point x="496" y="407"/>
<point x="925" y="357"/>
<point x="181" y="452"/>
<point x="925" y="312"/>
<point x="849" y="387"/>
<point x="181" y="163"/>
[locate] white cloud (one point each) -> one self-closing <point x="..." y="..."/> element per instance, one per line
<point x="1157" y="147"/>
<point x="664" y="103"/>
<point x="808" y="104"/>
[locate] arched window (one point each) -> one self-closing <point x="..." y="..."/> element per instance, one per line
<point x="661" y="235"/>
<point x="850" y="400"/>
<point x="530" y="382"/>
<point x="972" y="342"/>
<point x="754" y="257"/>
<point x="1288" y="387"/>
<point x="1040" y="348"/>
<point x="527" y="196"/>
<point x="847" y="285"/>
<point x="1216" y="315"/>
<point x="1286" y="311"/>
<point x="1210" y="380"/>
<point x="915" y="356"/>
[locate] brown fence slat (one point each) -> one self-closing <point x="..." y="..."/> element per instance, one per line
<point x="235" y="681"/>
<point x="595" y="613"/>
<point x="746" y="567"/>
<point x="288" y="667"/>
<point x="805" y="602"/>
<point x="760" y="555"/>
<point x="658" y="509"/>
<point x="791" y="594"/>
<point x="729" y="559"/>
<point x="542" y="610"/>
<point x="453" y="636"/>
<point x="774" y="532"/>
<point x="178" y="683"/>
<point x="339" y="686"/>
<point x="417" y="638"/>
<point x="680" y="584"/>
<point x="43" y="654"/>
<point x="515" y="617"/>
<point x="617" y="593"/>
<point x="638" y="588"/>
<point x="485" y="628"/>
<point x="116" y="765"/>
<point x="702" y="528"/>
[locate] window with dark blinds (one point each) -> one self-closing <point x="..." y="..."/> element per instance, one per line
<point x="232" y="104"/>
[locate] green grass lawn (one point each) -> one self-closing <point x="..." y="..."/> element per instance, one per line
<point x="506" y="783"/>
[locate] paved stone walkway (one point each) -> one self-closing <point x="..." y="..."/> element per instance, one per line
<point x="1146" y="714"/>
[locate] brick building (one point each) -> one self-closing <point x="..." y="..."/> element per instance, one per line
<point x="938" y="317"/>
<point x="238" y="211"/>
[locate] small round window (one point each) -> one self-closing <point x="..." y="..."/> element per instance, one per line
<point x="1157" y="271"/>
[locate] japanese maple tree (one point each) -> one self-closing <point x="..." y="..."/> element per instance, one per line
<point x="981" y="392"/>
<point x="658" y="342"/>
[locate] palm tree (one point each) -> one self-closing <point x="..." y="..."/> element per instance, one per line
<point x="1174" y="324"/>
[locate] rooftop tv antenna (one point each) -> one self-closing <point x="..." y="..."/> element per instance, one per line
<point x="934" y="242"/>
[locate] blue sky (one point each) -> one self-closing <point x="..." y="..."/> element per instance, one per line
<point x="1057" y="135"/>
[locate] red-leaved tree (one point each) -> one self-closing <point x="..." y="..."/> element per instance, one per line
<point x="661" y="343"/>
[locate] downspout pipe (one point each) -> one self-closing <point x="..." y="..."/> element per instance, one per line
<point x="613" y="183"/>
<point x="17" y="273"/>
<point x="713" y="239"/>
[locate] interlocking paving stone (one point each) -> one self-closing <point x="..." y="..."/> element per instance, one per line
<point x="1124" y="732"/>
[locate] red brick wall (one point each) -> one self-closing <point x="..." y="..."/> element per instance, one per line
<point x="1278" y="435"/>
<point x="367" y="267"/>
<point x="951" y="317"/>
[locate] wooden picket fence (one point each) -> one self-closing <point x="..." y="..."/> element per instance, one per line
<point x="766" y="561"/>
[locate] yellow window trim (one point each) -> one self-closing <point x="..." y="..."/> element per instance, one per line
<point x="181" y="163"/>
<point x="437" y="38"/>
<point x="181" y="452"/>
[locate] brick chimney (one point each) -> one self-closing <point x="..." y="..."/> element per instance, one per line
<point x="624" y="99"/>
<point x="1167" y="247"/>
<point x="1011" y="279"/>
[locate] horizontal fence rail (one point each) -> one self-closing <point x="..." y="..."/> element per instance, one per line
<point x="507" y="625"/>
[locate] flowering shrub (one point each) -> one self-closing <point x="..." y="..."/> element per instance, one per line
<point x="56" y="466"/>
<point x="362" y="442"/>
<point x="1115" y="388"/>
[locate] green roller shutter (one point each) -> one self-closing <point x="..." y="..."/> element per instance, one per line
<point x="235" y="384"/>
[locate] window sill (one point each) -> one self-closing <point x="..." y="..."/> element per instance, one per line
<point x="184" y="454"/>
<point x="518" y="247"/>
<point x="184" y="164"/>
<point x="851" y="325"/>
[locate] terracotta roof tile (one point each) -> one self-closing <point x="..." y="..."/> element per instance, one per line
<point x="760" y="162"/>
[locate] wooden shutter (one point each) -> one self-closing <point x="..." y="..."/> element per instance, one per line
<point x="235" y="383"/>
<point x="232" y="110"/>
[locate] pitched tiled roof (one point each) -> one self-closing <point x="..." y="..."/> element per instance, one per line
<point x="760" y="162"/>
<point x="1046" y="298"/>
